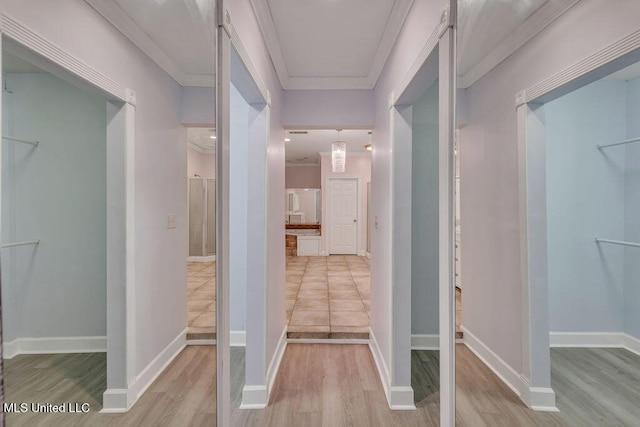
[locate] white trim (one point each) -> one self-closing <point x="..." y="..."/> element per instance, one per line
<point x="54" y="345"/>
<point x="394" y="24"/>
<point x="401" y="398"/>
<point x="274" y="366"/>
<point x="341" y="341"/>
<point x="327" y="211"/>
<point x="383" y="370"/>
<point x="595" y="340"/>
<point x="425" y="342"/>
<point x="238" y="339"/>
<point x="112" y="12"/>
<point x="571" y="76"/>
<point x="537" y="398"/>
<point x="209" y="258"/>
<point x="257" y="396"/>
<point x="201" y="342"/>
<point x="368" y="255"/>
<point x="537" y="22"/>
<point x="121" y="400"/>
<point x="43" y="47"/>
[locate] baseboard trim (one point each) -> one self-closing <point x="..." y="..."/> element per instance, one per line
<point x="368" y="255"/>
<point x="54" y="345"/>
<point x="346" y="341"/>
<point x="201" y="342"/>
<point x="238" y="339"/>
<point x="537" y="398"/>
<point x="398" y="398"/>
<point x="257" y="396"/>
<point x="595" y="340"/>
<point x="121" y="400"/>
<point x="425" y="342"/>
<point x="209" y="258"/>
<point x="362" y="253"/>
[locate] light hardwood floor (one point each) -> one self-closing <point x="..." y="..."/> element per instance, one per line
<point x="333" y="385"/>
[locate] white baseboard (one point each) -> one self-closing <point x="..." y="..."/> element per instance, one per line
<point x="339" y="341"/>
<point x="257" y="396"/>
<point x="324" y="253"/>
<point x="425" y="342"/>
<point x="201" y="342"/>
<point x="595" y="340"/>
<point x="537" y="398"/>
<point x="121" y="400"/>
<point x="209" y="258"/>
<point x="362" y="253"/>
<point x="398" y="398"/>
<point x="238" y="339"/>
<point x="368" y="255"/>
<point x="54" y="345"/>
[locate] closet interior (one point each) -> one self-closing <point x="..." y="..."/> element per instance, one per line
<point x="53" y="236"/>
<point x="593" y="240"/>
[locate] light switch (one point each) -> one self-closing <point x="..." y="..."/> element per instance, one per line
<point x="171" y="221"/>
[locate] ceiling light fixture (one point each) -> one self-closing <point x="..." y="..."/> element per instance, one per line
<point x="338" y="155"/>
<point x="212" y="137"/>
<point x="287" y="140"/>
<point x="368" y="147"/>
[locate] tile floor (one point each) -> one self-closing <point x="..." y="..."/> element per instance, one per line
<point x="328" y="297"/>
<point x="201" y="300"/>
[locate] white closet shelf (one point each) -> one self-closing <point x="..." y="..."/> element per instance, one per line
<point x="24" y="141"/>
<point x="617" y="242"/>
<point x="627" y="141"/>
<point x="25" y="243"/>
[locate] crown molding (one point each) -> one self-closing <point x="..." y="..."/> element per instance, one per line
<point x="537" y="22"/>
<point x="132" y="31"/>
<point x="392" y="30"/>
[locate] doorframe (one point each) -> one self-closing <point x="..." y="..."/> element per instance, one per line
<point x="358" y="210"/>
<point x="254" y="395"/>
<point x="439" y="46"/>
<point x="535" y="385"/>
<point x="121" y="392"/>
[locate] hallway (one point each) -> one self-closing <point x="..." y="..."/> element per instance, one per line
<point x="201" y="300"/>
<point x="328" y="297"/>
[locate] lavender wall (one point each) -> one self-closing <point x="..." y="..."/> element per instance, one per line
<point x="347" y="109"/>
<point x="302" y="176"/>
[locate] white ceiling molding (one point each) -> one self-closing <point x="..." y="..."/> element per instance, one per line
<point x="392" y="30"/>
<point x="540" y="20"/>
<point x="131" y="30"/>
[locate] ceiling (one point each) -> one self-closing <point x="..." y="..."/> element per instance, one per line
<point x="505" y="25"/>
<point x="305" y="148"/>
<point x="200" y="139"/>
<point x="177" y="34"/>
<point x="330" y="44"/>
<point x="13" y="64"/>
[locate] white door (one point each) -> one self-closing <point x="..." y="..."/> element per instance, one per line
<point x="343" y="216"/>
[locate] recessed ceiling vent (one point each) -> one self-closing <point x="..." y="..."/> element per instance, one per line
<point x="298" y="132"/>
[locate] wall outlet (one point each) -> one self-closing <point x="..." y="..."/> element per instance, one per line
<point x="171" y="221"/>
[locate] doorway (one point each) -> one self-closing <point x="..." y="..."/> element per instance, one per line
<point x="343" y="212"/>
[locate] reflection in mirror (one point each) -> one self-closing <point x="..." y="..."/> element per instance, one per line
<point x="304" y="206"/>
<point x="106" y="175"/>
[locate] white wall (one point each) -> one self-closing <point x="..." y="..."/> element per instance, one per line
<point x="356" y="167"/>
<point x="55" y="192"/>
<point x="246" y="25"/>
<point x="489" y="173"/>
<point x="328" y="108"/>
<point x="632" y="213"/>
<point x="160" y="153"/>
<point x="238" y="205"/>
<point x="425" y="254"/>
<point x="586" y="199"/>
<point x="200" y="164"/>
<point x="422" y="20"/>
<point x="198" y="106"/>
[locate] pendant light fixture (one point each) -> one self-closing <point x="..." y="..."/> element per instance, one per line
<point x="338" y="155"/>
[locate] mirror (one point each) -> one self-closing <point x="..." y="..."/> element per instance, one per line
<point x="303" y="206"/>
